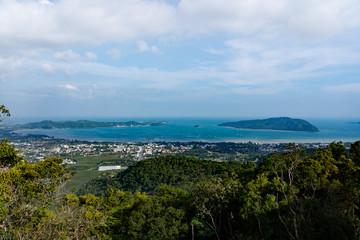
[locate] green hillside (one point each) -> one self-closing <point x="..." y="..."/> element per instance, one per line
<point x="280" y="123"/>
<point x="147" y="175"/>
<point x="47" y="124"/>
<point x="289" y="195"/>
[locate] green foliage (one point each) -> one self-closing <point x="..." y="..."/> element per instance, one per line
<point x="214" y="203"/>
<point x="47" y="124"/>
<point x="4" y="112"/>
<point x="290" y="195"/>
<point x="338" y="149"/>
<point x="355" y="152"/>
<point x="281" y="123"/>
<point x="8" y="154"/>
<point x="314" y="190"/>
<point x="86" y="168"/>
<point x="158" y="217"/>
<point x="29" y="208"/>
<point x="26" y="192"/>
<point x="147" y="175"/>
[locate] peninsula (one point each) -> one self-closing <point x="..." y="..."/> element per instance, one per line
<point x="47" y="124"/>
<point x="280" y="123"/>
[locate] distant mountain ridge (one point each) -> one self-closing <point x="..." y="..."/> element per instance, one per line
<point x="279" y="123"/>
<point x="47" y="124"/>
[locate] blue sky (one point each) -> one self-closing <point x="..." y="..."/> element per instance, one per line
<point x="186" y="58"/>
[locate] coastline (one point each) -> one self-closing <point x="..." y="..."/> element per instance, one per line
<point x="233" y="140"/>
<point x="184" y="131"/>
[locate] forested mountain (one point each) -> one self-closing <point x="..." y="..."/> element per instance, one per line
<point x="290" y="195"/>
<point x="47" y="124"/>
<point x="149" y="174"/>
<point x="281" y="123"/>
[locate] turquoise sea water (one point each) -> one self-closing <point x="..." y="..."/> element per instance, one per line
<point x="182" y="129"/>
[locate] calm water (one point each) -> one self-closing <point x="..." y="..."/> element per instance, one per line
<point x="182" y="129"/>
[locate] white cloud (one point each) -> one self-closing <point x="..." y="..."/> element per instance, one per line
<point x="343" y="88"/>
<point x="114" y="53"/>
<point x="65" y="22"/>
<point x="47" y="68"/>
<point x="91" y="55"/>
<point x="319" y="18"/>
<point x="144" y="47"/>
<point x="253" y="67"/>
<point x="256" y="62"/>
<point x="48" y="24"/>
<point x="10" y="67"/>
<point x="69" y="87"/>
<point x="9" y="64"/>
<point x="34" y="34"/>
<point x="66" y="55"/>
<point x="309" y="18"/>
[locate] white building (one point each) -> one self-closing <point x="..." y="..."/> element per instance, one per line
<point x="107" y="168"/>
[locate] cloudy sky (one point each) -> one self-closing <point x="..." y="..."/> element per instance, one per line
<point x="233" y="58"/>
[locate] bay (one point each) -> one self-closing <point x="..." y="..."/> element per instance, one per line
<point x="183" y="129"/>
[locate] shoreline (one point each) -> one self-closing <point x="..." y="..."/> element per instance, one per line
<point x="230" y="140"/>
<point x="269" y="130"/>
<point x="208" y="132"/>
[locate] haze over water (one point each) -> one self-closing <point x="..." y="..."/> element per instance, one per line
<point x="183" y="129"/>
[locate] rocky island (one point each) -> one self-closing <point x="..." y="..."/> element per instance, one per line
<point x="280" y="123"/>
<point x="47" y="124"/>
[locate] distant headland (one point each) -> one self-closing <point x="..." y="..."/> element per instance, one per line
<point x="279" y="123"/>
<point x="47" y="124"/>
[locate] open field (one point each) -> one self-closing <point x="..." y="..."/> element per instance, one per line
<point x="86" y="168"/>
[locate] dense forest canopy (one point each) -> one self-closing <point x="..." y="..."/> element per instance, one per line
<point x="289" y="195"/>
<point x="149" y="174"/>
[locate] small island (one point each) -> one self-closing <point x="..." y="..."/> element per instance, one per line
<point x="280" y="123"/>
<point x="47" y="124"/>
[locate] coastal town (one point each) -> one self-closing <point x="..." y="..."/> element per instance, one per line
<point x="45" y="147"/>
